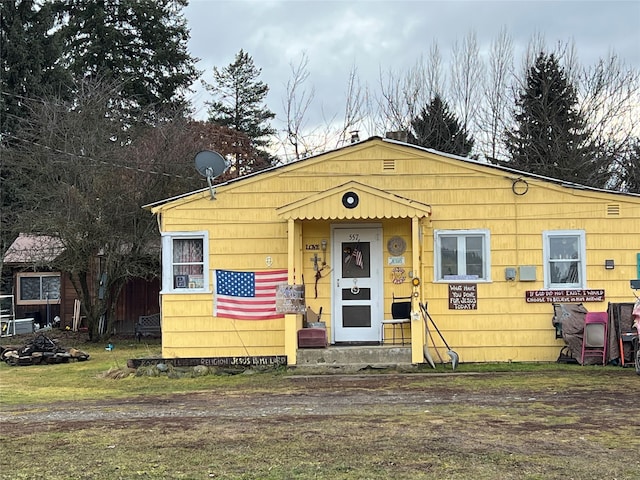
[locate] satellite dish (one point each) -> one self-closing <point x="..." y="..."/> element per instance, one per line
<point x="210" y="164"/>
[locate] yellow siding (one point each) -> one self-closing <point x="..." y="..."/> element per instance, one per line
<point x="245" y="229"/>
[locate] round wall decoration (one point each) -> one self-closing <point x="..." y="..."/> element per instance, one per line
<point x="398" y="275"/>
<point x="350" y="200"/>
<point x="396" y="245"/>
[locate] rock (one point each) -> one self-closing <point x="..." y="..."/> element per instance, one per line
<point x="200" y="370"/>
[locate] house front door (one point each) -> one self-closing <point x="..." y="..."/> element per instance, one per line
<point x="357" y="284"/>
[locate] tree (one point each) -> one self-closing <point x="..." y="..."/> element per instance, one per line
<point x="436" y="127"/>
<point x="493" y="112"/>
<point x="240" y="96"/>
<point x="140" y="44"/>
<point x="296" y="105"/>
<point x="29" y="69"/>
<point x="401" y="96"/>
<point x="29" y="57"/>
<point x="550" y="137"/>
<point x="609" y="93"/>
<point x="626" y="176"/>
<point x="353" y="109"/>
<point x="466" y="69"/>
<point x="84" y="179"/>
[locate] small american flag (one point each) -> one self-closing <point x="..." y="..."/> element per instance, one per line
<point x="357" y="255"/>
<point x="247" y="295"/>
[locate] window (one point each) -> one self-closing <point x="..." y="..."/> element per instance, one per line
<point x="462" y="255"/>
<point x="38" y="288"/>
<point x="564" y="259"/>
<point x="185" y="260"/>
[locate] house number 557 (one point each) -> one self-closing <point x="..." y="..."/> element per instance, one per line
<point x="354" y="237"/>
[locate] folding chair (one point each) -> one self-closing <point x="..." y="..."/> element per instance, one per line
<point x="595" y="336"/>
<point x="400" y="314"/>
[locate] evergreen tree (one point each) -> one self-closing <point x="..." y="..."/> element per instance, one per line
<point x="139" y="44"/>
<point x="29" y="72"/>
<point x="438" y="128"/>
<point x="551" y="137"/>
<point x="629" y="167"/>
<point x="29" y="54"/>
<point x="240" y="96"/>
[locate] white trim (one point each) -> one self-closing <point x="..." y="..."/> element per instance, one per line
<point x="459" y="234"/>
<point x="375" y="282"/>
<point x="582" y="251"/>
<point x="40" y="275"/>
<point x="167" y="261"/>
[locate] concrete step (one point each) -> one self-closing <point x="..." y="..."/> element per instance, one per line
<point x="354" y="358"/>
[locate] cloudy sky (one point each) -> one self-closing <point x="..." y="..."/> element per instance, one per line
<point x="389" y="35"/>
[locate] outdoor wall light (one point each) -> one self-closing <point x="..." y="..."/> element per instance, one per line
<point x="350" y="200"/>
<point x="323" y="245"/>
<point x="609" y="264"/>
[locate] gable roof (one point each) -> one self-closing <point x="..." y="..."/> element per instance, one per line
<point x="322" y="205"/>
<point x="472" y="162"/>
<point x="33" y="249"/>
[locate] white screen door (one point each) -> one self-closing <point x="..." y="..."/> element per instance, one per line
<point x="357" y="284"/>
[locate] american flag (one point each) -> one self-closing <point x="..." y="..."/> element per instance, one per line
<point x="357" y="255"/>
<point x="247" y="295"/>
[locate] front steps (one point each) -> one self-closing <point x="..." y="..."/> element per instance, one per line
<point x="350" y="359"/>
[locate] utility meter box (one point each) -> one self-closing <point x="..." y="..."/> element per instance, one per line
<point x="527" y="273"/>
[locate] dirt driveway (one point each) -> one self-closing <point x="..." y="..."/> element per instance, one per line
<point x="554" y="431"/>
<point x="338" y="395"/>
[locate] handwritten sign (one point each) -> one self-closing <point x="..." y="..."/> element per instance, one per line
<point x="290" y="299"/>
<point x="564" y="296"/>
<point x="463" y="296"/>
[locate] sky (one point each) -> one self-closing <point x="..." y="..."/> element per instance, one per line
<point x="375" y="36"/>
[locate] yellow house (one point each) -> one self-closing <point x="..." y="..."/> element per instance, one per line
<point x="487" y="249"/>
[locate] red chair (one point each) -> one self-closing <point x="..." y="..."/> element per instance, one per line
<point x="595" y="336"/>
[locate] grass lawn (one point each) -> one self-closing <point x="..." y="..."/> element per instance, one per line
<point x="507" y="421"/>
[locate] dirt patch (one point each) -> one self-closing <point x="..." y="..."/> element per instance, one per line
<point x="367" y="426"/>
<point x="338" y="395"/>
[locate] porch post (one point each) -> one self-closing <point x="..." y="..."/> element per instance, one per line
<point x="417" y="325"/>
<point x="293" y="322"/>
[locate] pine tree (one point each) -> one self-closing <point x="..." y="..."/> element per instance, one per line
<point x="551" y="137"/>
<point x="29" y="54"/>
<point x="29" y="72"/>
<point x="629" y="167"/>
<point x="239" y="100"/>
<point x="141" y="44"/>
<point x="438" y="128"/>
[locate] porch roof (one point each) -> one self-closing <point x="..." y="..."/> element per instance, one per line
<point x="353" y="201"/>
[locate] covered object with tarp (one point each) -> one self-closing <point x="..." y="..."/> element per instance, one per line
<point x="568" y="319"/>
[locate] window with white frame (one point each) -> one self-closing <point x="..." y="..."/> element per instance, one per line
<point x="564" y="259"/>
<point x="185" y="262"/>
<point x="462" y="255"/>
<point x="36" y="288"/>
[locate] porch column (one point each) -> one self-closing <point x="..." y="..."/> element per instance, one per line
<point x="293" y="322"/>
<point x="417" y="325"/>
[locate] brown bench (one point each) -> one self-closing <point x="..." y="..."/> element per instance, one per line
<point x="148" y="326"/>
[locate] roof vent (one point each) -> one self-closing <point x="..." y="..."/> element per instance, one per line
<point x="389" y="165"/>
<point x="613" y="210"/>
